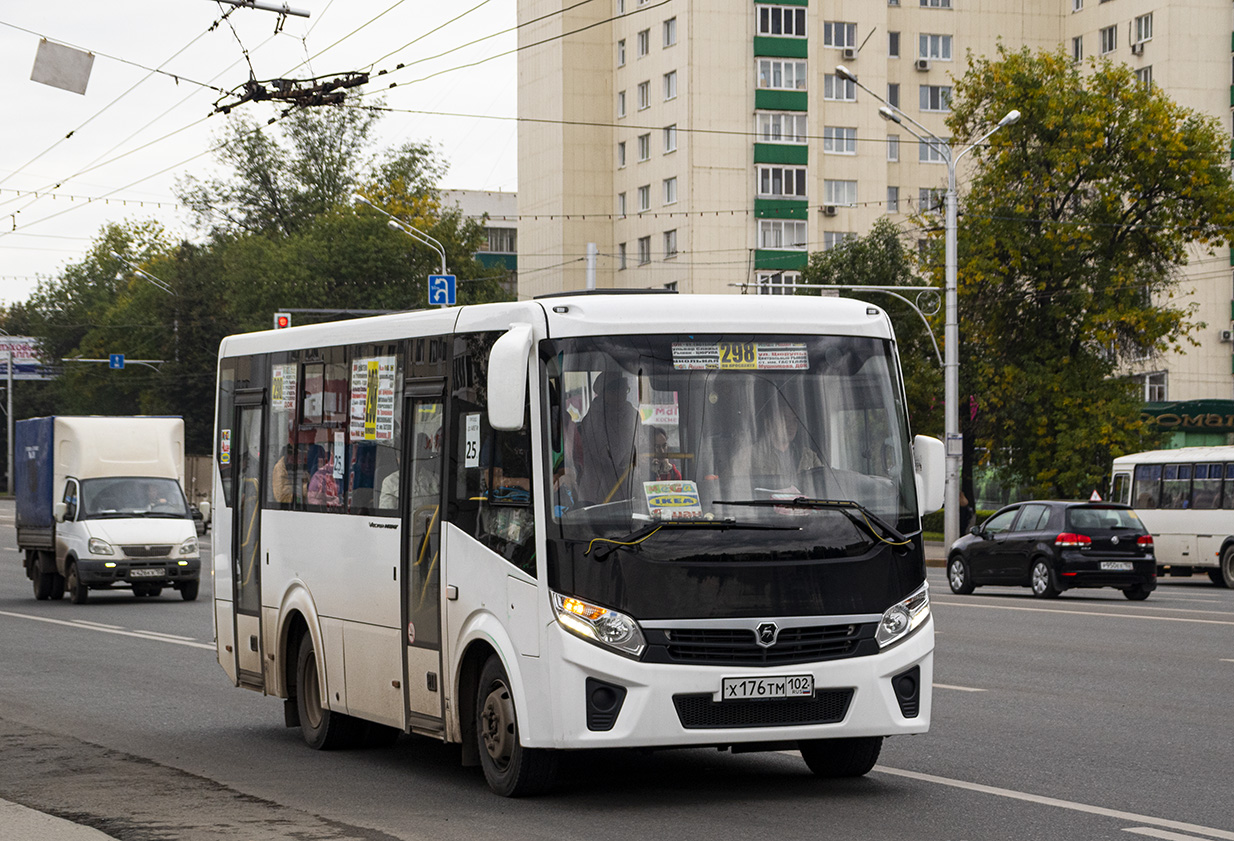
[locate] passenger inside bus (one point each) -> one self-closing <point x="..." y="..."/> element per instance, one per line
<point x="609" y="432"/>
<point x="781" y="457"/>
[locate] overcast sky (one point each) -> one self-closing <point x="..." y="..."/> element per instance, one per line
<point x="134" y="131"/>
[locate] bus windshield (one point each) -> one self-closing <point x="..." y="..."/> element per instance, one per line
<point x="693" y="432"/>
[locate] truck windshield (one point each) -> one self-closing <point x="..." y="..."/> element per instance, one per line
<point x="129" y="496"/>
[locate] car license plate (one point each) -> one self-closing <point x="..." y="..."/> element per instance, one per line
<point x="781" y="686"/>
<point x="1116" y="566"/>
<point x="150" y="572"/>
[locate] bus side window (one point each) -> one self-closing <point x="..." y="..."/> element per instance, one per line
<point x="1227" y="497"/>
<point x="1147" y="489"/>
<point x="1121" y="491"/>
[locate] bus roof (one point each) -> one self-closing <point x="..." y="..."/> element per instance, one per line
<point x="1177" y="455"/>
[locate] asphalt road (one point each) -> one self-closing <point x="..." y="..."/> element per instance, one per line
<point x="1087" y="717"/>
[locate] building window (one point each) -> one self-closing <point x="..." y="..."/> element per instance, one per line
<point x="670" y="85"/>
<point x="781" y="127"/>
<point x="936" y="47"/>
<point x="782" y="181"/>
<point x="839" y="192"/>
<point x="782" y="234"/>
<point x="670" y="138"/>
<point x="644" y="147"/>
<point x="621" y="53"/>
<point x="621" y="103"/>
<point x="1155" y="387"/>
<point x="777" y="283"/>
<point x="893" y="44"/>
<point x="1144" y="76"/>
<point x="931" y="152"/>
<point x="782" y="20"/>
<point x="621" y="7"/>
<point x="621" y="257"/>
<point x="831" y="239"/>
<point x="1077" y="5"/>
<point x="935" y="98"/>
<point x="839" y="140"/>
<point x="893" y="94"/>
<point x="839" y="34"/>
<point x="621" y="205"/>
<point x="670" y="32"/>
<point x="937" y="4"/>
<point x="502" y="240"/>
<point x="670" y="244"/>
<point x="893" y="199"/>
<point x="644" y="198"/>
<point x="644" y="95"/>
<point x="1077" y="48"/>
<point x="670" y="190"/>
<point x="931" y="199"/>
<point x="839" y="89"/>
<point x="782" y="75"/>
<point x="644" y="250"/>
<point x="621" y="154"/>
<point x="643" y="40"/>
<point x="893" y="147"/>
<point x="1143" y="28"/>
<point x="1109" y="39"/>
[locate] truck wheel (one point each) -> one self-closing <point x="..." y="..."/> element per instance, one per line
<point x="43" y="582"/>
<point x="78" y="592"/>
<point x="57" y="587"/>
<point x="188" y="590"/>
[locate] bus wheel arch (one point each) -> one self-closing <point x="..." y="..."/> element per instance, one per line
<point x="472" y="662"/>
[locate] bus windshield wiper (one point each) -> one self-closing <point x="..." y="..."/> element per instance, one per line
<point x="639" y="535"/>
<point x="847" y="507"/>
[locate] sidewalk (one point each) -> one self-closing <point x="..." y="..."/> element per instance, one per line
<point x="17" y="823"/>
<point x="935" y="556"/>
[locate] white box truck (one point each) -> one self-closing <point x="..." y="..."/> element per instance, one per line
<point x="101" y="505"/>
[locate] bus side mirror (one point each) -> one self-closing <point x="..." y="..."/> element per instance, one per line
<point x="507" y="378"/>
<point x="930" y="467"/>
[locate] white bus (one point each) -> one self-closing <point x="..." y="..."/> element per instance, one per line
<point x="583" y="521"/>
<point x="1185" y="497"/>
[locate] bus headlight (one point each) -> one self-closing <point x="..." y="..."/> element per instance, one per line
<point x="902" y="618"/>
<point x="599" y="624"/>
<point x="100" y="547"/>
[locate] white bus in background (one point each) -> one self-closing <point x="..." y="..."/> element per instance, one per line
<point x="584" y="521"/>
<point x="1185" y="497"/>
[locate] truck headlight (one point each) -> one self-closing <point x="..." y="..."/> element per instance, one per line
<point x="599" y="624"/>
<point x="189" y="547"/>
<point x="902" y="618"/>
<point x="100" y="547"/>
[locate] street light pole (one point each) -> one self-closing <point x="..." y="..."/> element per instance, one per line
<point x="399" y="225"/>
<point x="159" y="284"/>
<point x="954" y="441"/>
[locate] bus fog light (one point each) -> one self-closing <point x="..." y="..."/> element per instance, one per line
<point x="903" y="618"/>
<point x="598" y="624"/>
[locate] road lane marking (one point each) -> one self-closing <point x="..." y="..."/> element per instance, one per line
<point x="106" y="629"/>
<point x="161" y="634"/>
<point x="958" y="688"/>
<point x="1011" y="794"/>
<point x="1227" y="661"/>
<point x="1160" y="833"/>
<point x="90" y="624"/>
<point x="1086" y="613"/>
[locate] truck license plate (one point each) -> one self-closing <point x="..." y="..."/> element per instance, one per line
<point x="782" y="686"/>
<point x="151" y="572"/>
<point x="1116" y="566"/>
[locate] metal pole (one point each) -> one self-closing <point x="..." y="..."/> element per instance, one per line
<point x="592" y="251"/>
<point x="9" y="418"/>
<point x="951" y="370"/>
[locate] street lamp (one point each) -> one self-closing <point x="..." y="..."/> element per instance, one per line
<point x="951" y="327"/>
<point x="398" y="225"/>
<point x="158" y="284"/>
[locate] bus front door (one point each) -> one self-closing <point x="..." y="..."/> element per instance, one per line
<point x="246" y="539"/>
<point x="422" y="495"/>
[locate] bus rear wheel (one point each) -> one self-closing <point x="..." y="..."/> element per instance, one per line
<point x="323" y="729"/>
<point x="841" y="757"/>
<point x="510" y="769"/>
<point x="1225" y="575"/>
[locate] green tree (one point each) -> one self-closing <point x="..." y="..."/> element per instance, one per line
<point x="1076" y="224"/>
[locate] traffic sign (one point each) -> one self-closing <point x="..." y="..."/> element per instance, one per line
<point x="115" y="360"/>
<point x="441" y="289"/>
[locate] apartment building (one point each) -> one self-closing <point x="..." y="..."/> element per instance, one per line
<point x="711" y="146"/>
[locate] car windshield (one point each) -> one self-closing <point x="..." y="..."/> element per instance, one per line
<point x="1091" y="517"/>
<point x="649" y="429"/>
<point x="129" y="496"/>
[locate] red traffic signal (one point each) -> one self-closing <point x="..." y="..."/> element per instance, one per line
<point x="281" y="320"/>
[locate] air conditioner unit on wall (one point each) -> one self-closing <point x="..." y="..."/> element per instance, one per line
<point x="1137" y="48"/>
<point x="923" y="64"/>
<point x="849" y="53"/>
<point x="829" y="210"/>
<point x="1226" y="336"/>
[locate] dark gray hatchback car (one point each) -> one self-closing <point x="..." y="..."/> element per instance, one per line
<point x="1053" y="546"/>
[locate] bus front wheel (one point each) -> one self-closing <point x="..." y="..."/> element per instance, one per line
<point x="841" y="757"/>
<point x="323" y="729"/>
<point x="510" y="769"/>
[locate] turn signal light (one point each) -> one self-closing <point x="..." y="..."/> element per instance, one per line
<point x="1067" y="540"/>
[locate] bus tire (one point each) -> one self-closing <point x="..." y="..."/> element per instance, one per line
<point x="1041" y="580"/>
<point x="510" y="769"/>
<point x="841" y="757"/>
<point x="78" y="592"/>
<point x="323" y="729"/>
<point x="958" y="576"/>
<point x="1225" y="575"/>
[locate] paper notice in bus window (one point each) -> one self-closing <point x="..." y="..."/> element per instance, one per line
<point x="471" y="441"/>
<point x="673" y="500"/>
<point x="740" y="356"/>
<point x="283" y="388"/>
<point x="225" y="447"/>
<point x="372" y="399"/>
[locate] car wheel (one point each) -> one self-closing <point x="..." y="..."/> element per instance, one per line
<point x="1137" y="592"/>
<point x="188" y="590"/>
<point x="510" y="769"/>
<point x="78" y="592"/>
<point x="841" y="757"/>
<point x="1040" y="580"/>
<point x="958" y="577"/>
<point x="323" y="729"/>
<point x="1227" y="567"/>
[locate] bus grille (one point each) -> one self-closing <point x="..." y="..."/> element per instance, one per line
<point x="700" y="711"/>
<point x="738" y="646"/>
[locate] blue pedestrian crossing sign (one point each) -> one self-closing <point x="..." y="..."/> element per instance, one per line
<point x="441" y="288"/>
<point x="115" y="360"/>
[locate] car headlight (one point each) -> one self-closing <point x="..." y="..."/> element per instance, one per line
<point x="189" y="547"/>
<point x="100" y="547"/>
<point x="902" y="618"/>
<point x="599" y="624"/>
